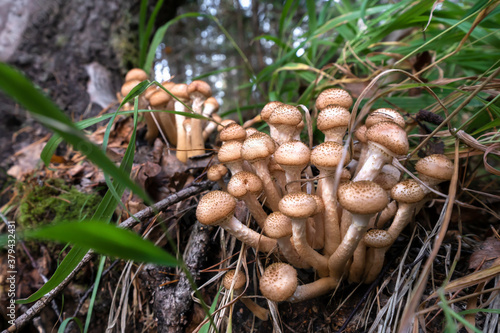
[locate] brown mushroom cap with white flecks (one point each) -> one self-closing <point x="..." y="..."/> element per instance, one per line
<point x="360" y="134"/>
<point x="293" y="154"/>
<point x="257" y="146"/>
<point x="224" y="124"/>
<point x="244" y="182"/>
<point x="334" y="96"/>
<point x="435" y="166"/>
<point x="320" y="205"/>
<point x="210" y="104"/>
<point x="268" y="109"/>
<point x="327" y="155"/>
<point x="384" y="114"/>
<point x="278" y="225"/>
<point x="136" y="74"/>
<point x="239" y="279"/>
<point x="251" y="131"/>
<point x="230" y="152"/>
<point x="389" y="135"/>
<point x="408" y="191"/>
<point x="215" y="208"/>
<point x="362" y="197"/>
<point x="298" y="205"/>
<point x="233" y="131"/>
<point x="199" y="88"/>
<point x="216" y="172"/>
<point x="333" y="116"/>
<point x="278" y="282"/>
<point x="285" y="114"/>
<point x="377" y="238"/>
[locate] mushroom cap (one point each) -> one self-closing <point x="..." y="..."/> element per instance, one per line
<point x="389" y="135"/>
<point x="212" y="102"/>
<point x="179" y="90"/>
<point x="285" y="114"/>
<point x="298" y="205"/>
<point x="215" y="207"/>
<point x="408" y="191"/>
<point x="230" y="152"/>
<point x="159" y="98"/>
<point x="320" y="205"/>
<point x="327" y="155"/>
<point x="233" y="131"/>
<point x="240" y="280"/>
<point x="278" y="225"/>
<point x="268" y="109"/>
<point x="377" y="238"/>
<point x="216" y="172"/>
<point x="168" y="85"/>
<point x="362" y="197"/>
<point x="136" y="74"/>
<point x="435" y="166"/>
<point x="257" y="147"/>
<point x="128" y="86"/>
<point x="385" y="114"/>
<point x="388" y="177"/>
<point x="333" y="96"/>
<point x="278" y="282"/>
<point x="199" y="88"/>
<point x="150" y="91"/>
<point x="333" y="116"/>
<point x="293" y="154"/>
<point x="244" y="182"/>
<point x="360" y="134"/>
<point x="251" y="130"/>
<point x="225" y="123"/>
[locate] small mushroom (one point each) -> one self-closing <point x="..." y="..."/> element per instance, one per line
<point x="239" y="280"/>
<point x="217" y="208"/>
<point x="293" y="157"/>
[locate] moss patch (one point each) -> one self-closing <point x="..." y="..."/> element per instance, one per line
<point x="54" y="201"/>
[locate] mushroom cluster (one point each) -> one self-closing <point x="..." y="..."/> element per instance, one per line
<point x="187" y="134"/>
<point x="341" y="232"/>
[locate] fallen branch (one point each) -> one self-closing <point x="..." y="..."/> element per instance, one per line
<point x="144" y="214"/>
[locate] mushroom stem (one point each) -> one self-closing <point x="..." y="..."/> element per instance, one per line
<point x="314" y="289"/>
<point x="248" y="236"/>
<point x="305" y="251"/>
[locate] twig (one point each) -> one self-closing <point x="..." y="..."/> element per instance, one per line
<point x="144" y="214"/>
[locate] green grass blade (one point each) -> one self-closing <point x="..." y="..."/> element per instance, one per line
<point x="46" y="112"/>
<point x="206" y="327"/>
<point x="147" y="33"/>
<point x="66" y="322"/>
<point x="102" y="261"/>
<point x="104" y="238"/>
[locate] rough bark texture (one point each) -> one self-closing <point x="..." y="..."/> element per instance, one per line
<point x="173" y="302"/>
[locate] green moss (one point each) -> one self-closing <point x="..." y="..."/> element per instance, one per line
<point x="52" y="202"/>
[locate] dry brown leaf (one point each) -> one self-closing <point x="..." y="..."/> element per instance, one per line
<point x="487" y="253"/>
<point x="26" y="160"/>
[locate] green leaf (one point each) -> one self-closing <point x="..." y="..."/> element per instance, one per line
<point x="206" y="327"/>
<point x="46" y="112"/>
<point x="65" y="323"/>
<point x="104" y="238"/>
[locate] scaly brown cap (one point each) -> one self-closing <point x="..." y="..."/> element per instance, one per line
<point x="257" y="146"/>
<point x="333" y="96"/>
<point x="268" y="109"/>
<point x="408" y="191"/>
<point x="278" y="225"/>
<point x="327" y="155"/>
<point x="244" y="182"/>
<point x="385" y="114"/>
<point x="293" y="154"/>
<point x="216" y="172"/>
<point x="298" y="205"/>
<point x="278" y="282"/>
<point x="435" y="166"/>
<point x="239" y="279"/>
<point x="362" y="197"/>
<point x="233" y="131"/>
<point x="389" y="135"/>
<point x="199" y="88"/>
<point x="377" y="238"/>
<point x="179" y="90"/>
<point x="333" y="116"/>
<point x="215" y="207"/>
